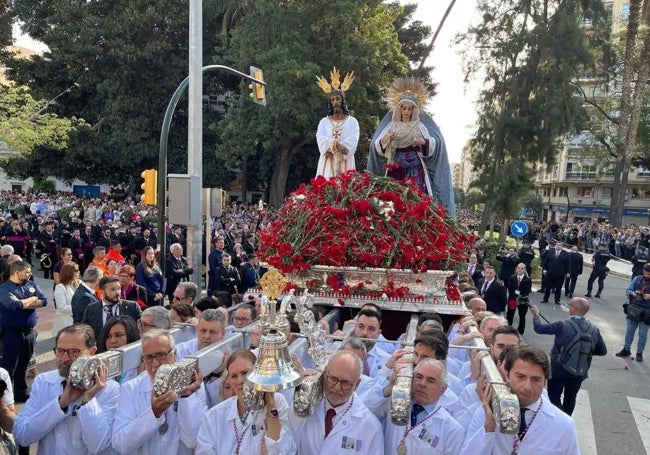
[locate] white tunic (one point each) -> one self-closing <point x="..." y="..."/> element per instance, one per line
<point x="136" y="428"/>
<point x="81" y="430"/>
<point x="551" y="433"/>
<point x="347" y="134"/>
<point x="221" y="424"/>
<point x="356" y="432"/>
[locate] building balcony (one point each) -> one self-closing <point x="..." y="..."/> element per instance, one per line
<point x="581" y="175"/>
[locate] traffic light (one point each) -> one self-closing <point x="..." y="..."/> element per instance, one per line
<point x="150" y="186"/>
<point x="258" y="91"/>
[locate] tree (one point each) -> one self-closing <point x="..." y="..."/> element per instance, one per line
<point x="636" y="72"/>
<point x="534" y="49"/>
<point x="294" y="41"/>
<point x="25" y="123"/>
<point x="128" y="57"/>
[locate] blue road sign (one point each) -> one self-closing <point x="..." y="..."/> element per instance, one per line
<point x="519" y="228"/>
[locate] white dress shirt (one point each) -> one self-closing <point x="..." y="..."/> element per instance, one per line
<point x="136" y="428"/>
<point x="81" y="430"/>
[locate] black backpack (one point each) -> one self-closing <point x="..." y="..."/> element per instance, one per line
<point x="575" y="356"/>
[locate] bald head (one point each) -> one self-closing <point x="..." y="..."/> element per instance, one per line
<point x="476" y="305"/>
<point x="578" y="306"/>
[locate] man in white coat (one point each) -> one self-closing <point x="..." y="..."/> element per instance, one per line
<point x="209" y="330"/>
<point x="342" y="424"/>
<point x="544" y="429"/>
<point x="431" y="430"/>
<point x="153" y="425"/>
<point x="337" y="137"/>
<point x="62" y="418"/>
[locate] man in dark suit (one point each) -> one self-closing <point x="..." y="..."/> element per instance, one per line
<point x="85" y="293"/>
<point x="556" y="268"/>
<point x="227" y="276"/>
<point x="493" y="292"/>
<point x="111" y="305"/>
<point x="474" y="269"/>
<point x="575" y="269"/>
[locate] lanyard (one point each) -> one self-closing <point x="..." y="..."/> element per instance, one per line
<point x="343" y="414"/>
<point x="401" y="448"/>
<point x="240" y="438"/>
<point x="520" y="437"/>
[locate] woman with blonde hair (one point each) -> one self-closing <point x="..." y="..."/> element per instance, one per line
<point x="63" y="292"/>
<point x="149" y="275"/>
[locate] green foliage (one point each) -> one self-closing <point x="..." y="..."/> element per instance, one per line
<point x="534" y="50"/>
<point x="43" y="186"/>
<point x="533" y="204"/>
<point x="26" y="124"/>
<point x="293" y="42"/>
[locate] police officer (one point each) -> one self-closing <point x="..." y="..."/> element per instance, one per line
<point x="19" y="298"/>
<point x="640" y="259"/>
<point x="599" y="260"/>
<point x="526" y="255"/>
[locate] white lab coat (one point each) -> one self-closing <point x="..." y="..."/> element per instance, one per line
<point x="186" y="349"/>
<point x="377" y="358"/>
<point x="552" y="433"/>
<point x="42" y="420"/>
<point x="438" y="435"/>
<point x="136" y="428"/>
<point x="357" y="432"/>
<point x="217" y="435"/>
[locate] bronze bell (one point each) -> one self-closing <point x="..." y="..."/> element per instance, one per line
<point x="274" y="370"/>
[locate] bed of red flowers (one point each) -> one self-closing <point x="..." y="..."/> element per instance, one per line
<point x="363" y="220"/>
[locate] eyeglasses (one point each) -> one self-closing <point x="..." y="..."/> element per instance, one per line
<point x="159" y="356"/>
<point x="72" y="353"/>
<point x="333" y="380"/>
<point x="144" y="325"/>
<point x="242" y="319"/>
<point x="176" y="298"/>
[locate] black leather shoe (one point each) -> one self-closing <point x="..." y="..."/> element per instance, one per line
<point x="639" y="357"/>
<point x="557" y="303"/>
<point x="570" y="295"/>
<point x="587" y="294"/>
<point x="597" y="296"/>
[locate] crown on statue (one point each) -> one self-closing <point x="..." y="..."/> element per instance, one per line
<point x="335" y="84"/>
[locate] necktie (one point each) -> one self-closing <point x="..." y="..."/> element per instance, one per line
<point x="329" y="417"/>
<point x="109" y="311"/>
<point x="366" y="365"/>
<point x="557" y="254"/>
<point x="523" y="426"/>
<point x="485" y="286"/>
<point x="518" y="280"/>
<point x="471" y="270"/>
<point x="417" y="409"/>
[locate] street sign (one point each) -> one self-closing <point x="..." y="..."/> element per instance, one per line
<point x="519" y="228"/>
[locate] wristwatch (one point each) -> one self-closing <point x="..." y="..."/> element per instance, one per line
<point x="274" y="413"/>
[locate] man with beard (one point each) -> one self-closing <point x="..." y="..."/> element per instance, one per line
<point x="368" y="326"/>
<point x="111" y="305"/>
<point x="19" y="298"/>
<point x="146" y="423"/>
<point x="338" y="133"/>
<point x="343" y="422"/>
<point x="61" y="417"/>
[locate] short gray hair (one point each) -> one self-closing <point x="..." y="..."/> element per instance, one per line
<point x="155" y="333"/>
<point x="355" y="358"/>
<point x="354" y="343"/>
<point x="175" y="246"/>
<point x="212" y="314"/>
<point x="92" y="274"/>
<point x="444" y="378"/>
<point x="189" y="289"/>
<point x="6" y="250"/>
<point x="160" y="317"/>
<point x="485" y="320"/>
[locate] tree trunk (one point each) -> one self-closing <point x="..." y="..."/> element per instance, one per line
<point x="279" y="177"/>
<point x="623" y="139"/>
